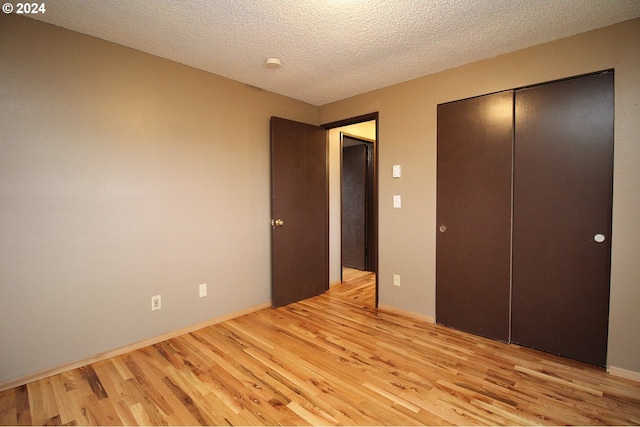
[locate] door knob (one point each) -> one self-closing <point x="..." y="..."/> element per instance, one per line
<point x="443" y="228"/>
<point x="599" y="238"/>
<point x="277" y="222"/>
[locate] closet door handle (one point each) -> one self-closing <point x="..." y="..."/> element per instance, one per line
<point x="442" y="228"/>
<point x="599" y="238"/>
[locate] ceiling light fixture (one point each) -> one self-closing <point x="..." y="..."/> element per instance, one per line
<point x="273" y="63"/>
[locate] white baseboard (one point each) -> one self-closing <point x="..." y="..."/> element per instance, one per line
<point x="36" y="376"/>
<point x="407" y="313"/>
<point x="624" y="373"/>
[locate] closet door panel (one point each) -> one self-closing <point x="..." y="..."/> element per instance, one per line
<point x="563" y="176"/>
<point x="474" y="215"/>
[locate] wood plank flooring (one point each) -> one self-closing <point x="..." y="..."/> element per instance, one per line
<point x="329" y="360"/>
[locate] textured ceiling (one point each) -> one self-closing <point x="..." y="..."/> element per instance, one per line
<point x="332" y="49"/>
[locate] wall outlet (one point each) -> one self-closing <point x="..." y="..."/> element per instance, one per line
<point x="203" y="290"/>
<point x="396" y="280"/>
<point x="156" y="303"/>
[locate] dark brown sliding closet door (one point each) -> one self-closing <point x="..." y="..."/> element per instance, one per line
<point x="563" y="173"/>
<point x="474" y="214"/>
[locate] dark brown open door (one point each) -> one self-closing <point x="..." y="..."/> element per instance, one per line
<point x="563" y="185"/>
<point x="473" y="240"/>
<point x="356" y="203"/>
<point x="299" y="211"/>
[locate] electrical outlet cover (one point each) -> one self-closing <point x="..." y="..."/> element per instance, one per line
<point x="156" y="303"/>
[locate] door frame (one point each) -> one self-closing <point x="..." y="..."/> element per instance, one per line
<point x="374" y="193"/>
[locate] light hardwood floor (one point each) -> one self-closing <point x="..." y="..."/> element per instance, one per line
<point x="328" y="360"/>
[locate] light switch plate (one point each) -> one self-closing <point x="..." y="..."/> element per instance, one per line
<point x="397" y="171"/>
<point x="397" y="201"/>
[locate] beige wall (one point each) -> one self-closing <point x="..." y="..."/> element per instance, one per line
<point x="122" y="176"/>
<point x="407" y="136"/>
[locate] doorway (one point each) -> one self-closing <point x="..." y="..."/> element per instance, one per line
<point x="359" y="131"/>
<point x="298" y="274"/>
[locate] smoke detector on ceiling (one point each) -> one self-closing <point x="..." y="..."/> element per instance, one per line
<point x="273" y="63"/>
